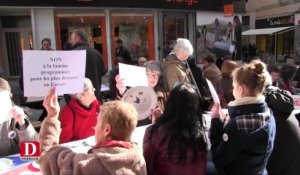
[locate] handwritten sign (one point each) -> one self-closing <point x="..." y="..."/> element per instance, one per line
<point x="5" y="106"/>
<point x="133" y="75"/>
<point x="63" y="70"/>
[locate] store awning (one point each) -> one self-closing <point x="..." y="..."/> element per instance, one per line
<point x="267" y="31"/>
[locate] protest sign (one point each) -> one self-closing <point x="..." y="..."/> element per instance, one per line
<point x="213" y="92"/>
<point x="64" y="70"/>
<point x="5" y="107"/>
<point x="133" y="75"/>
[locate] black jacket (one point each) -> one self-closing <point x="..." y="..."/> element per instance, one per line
<point x="285" y="158"/>
<point x="94" y="68"/>
<point x="238" y="41"/>
<point x="123" y="52"/>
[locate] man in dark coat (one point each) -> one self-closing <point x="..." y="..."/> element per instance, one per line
<point x="94" y="69"/>
<point x="123" y="52"/>
<point x="237" y="38"/>
<point x="285" y="158"/>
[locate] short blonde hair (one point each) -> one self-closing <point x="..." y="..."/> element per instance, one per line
<point x="227" y="68"/>
<point x="122" y="117"/>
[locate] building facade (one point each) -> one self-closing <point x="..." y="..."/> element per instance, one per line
<point x="273" y="28"/>
<point x="147" y="27"/>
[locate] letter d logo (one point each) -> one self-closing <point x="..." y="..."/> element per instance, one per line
<point x="30" y="150"/>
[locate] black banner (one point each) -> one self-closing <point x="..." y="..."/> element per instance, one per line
<point x="207" y="5"/>
<point x="282" y="21"/>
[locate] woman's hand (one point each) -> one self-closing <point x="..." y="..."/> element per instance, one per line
<point x="120" y="85"/>
<point x="19" y="115"/>
<point x="51" y="104"/>
<point x="216" y="111"/>
<point x="155" y="114"/>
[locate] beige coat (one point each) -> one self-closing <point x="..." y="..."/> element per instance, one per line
<point x="105" y="161"/>
<point x="174" y="71"/>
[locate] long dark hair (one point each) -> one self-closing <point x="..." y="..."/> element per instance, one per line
<point x="182" y="123"/>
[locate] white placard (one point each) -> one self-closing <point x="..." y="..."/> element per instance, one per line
<point x="64" y="70"/>
<point x="5" y="106"/>
<point x="213" y="92"/>
<point x="133" y="75"/>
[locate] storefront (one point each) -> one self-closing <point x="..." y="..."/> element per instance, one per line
<point x="274" y="36"/>
<point x="146" y="27"/>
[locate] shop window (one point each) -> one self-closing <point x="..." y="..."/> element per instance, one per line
<point x="15" y="21"/>
<point x="137" y="33"/>
<point x="280" y="45"/>
<point x="93" y="24"/>
<point x="174" y="26"/>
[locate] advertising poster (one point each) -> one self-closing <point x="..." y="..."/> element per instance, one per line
<point x="218" y="36"/>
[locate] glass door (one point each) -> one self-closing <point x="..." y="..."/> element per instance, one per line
<point x="136" y="30"/>
<point x="93" y="24"/>
<point x="174" y="26"/>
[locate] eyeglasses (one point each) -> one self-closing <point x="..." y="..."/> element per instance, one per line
<point x="151" y="75"/>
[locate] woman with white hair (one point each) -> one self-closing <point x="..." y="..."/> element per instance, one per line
<point x="79" y="116"/>
<point x="174" y="70"/>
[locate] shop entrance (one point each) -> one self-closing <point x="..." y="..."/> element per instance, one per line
<point x="174" y="26"/>
<point x="93" y="24"/>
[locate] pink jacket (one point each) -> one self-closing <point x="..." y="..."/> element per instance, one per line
<point x="111" y="160"/>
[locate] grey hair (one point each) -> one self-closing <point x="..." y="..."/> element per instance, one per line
<point x="184" y="45"/>
<point x="4" y="85"/>
<point x="86" y="84"/>
<point x="153" y="66"/>
<point x="81" y="34"/>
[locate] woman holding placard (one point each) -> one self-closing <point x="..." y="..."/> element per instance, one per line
<point x="155" y="81"/>
<point x="14" y="125"/>
<point x="79" y="116"/>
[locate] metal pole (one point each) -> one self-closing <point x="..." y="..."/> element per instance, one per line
<point x="193" y="79"/>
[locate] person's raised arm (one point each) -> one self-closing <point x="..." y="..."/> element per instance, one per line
<point x="23" y="127"/>
<point x="50" y="129"/>
<point x="51" y="104"/>
<point x="120" y="85"/>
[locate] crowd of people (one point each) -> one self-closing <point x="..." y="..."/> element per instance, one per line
<point x="259" y="134"/>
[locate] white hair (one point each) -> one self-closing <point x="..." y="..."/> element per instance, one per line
<point x="87" y="83"/>
<point x="184" y="45"/>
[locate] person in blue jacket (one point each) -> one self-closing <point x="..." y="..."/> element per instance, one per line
<point x="243" y="140"/>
